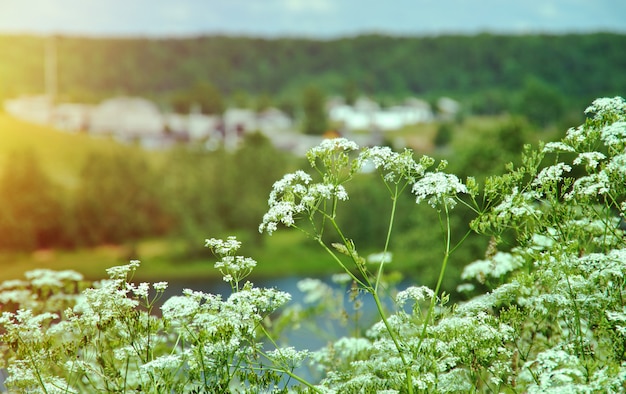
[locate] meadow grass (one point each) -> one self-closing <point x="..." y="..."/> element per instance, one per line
<point x="283" y="254"/>
<point x="61" y="154"/>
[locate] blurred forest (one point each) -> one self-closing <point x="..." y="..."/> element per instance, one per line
<point x="123" y="196"/>
<point x="487" y="71"/>
<point x="513" y="90"/>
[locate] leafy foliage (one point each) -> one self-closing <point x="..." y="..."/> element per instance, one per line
<point x="314" y="108"/>
<point x="33" y="209"/>
<point x="115" y="199"/>
<point x="123" y="196"/>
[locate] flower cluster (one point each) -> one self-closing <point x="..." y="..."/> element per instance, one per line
<point x="396" y="167"/>
<point x="295" y="194"/>
<point x="223" y="247"/>
<point x="108" y="342"/>
<point x="438" y="188"/>
<point x="233" y="268"/>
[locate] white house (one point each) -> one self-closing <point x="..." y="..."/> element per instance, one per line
<point x="366" y="114"/>
<point x="239" y="120"/>
<point x="127" y="117"/>
<point x="35" y="109"/>
<point x="448" y="108"/>
<point x="72" y="117"/>
<point x="195" y="126"/>
<point x="273" y="120"/>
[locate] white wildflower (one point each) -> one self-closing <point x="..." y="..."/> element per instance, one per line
<point x="261" y="300"/>
<point x="351" y="347"/>
<point x="289" y="356"/>
<point x="121" y="271"/>
<point x="380" y="258"/>
<point x="414" y="293"/>
<point x="160" y="286"/>
<point x="46" y="277"/>
<point x="288" y="182"/>
<point x="280" y="212"/>
<point x="22" y="297"/>
<point x="140" y="291"/>
<point x="518" y="205"/>
<point x="394" y="166"/>
<point x="465" y="288"/>
<point x="124" y="353"/>
<point x="294" y="194"/>
<point x="297" y="199"/>
<point x="590" y="186"/>
<point x="315" y="289"/>
<point x="330" y="146"/>
<point x="617" y="165"/>
<point x="554" y="368"/>
<point x="166" y="362"/>
<point x="13" y="284"/>
<point x="235" y="264"/>
<point x="614" y="134"/>
<point x="557" y="147"/>
<point x="341" y="193"/>
<point x="501" y="263"/>
<point x="180" y="307"/>
<point x="321" y="190"/>
<point x="605" y="105"/>
<point x="341" y="278"/>
<point x="619" y="317"/>
<point x="438" y="187"/>
<point x="551" y="174"/>
<point x="589" y="159"/>
<point x="221" y="247"/>
<point x="544" y="241"/>
<point x="576" y="135"/>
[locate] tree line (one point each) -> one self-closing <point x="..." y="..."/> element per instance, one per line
<point x="484" y="69"/>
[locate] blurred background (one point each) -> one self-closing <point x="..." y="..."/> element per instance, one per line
<point x="136" y="129"/>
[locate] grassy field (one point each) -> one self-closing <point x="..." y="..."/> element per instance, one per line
<point x="61" y="154"/>
<point x="283" y="254"/>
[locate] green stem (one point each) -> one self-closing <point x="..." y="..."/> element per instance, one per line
<point x="444" y="264"/>
<point x="285" y="370"/>
<point x="379" y="306"/>
<point x="389" y="229"/>
<point x="338" y="261"/>
<point x="394" y="338"/>
<point x="34" y="365"/>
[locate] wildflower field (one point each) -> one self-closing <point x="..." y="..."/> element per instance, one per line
<point x="545" y="310"/>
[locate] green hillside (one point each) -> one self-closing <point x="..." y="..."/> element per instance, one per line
<point x="61" y="154"/>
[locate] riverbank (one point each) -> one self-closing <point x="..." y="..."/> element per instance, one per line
<point x="282" y="254"/>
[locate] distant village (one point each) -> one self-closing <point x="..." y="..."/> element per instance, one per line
<point x="138" y="120"/>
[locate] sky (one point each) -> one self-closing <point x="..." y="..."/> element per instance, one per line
<point x="308" y="18"/>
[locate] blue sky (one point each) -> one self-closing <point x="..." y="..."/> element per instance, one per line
<point x="308" y="18"/>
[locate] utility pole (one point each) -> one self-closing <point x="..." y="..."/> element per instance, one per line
<point x="50" y="68"/>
